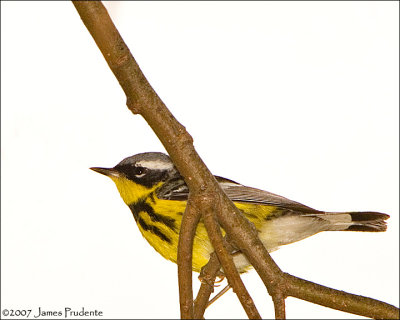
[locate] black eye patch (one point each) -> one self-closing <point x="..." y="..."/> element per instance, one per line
<point x="142" y="175"/>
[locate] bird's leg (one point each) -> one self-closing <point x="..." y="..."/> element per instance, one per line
<point x="210" y="282"/>
<point x="215" y="284"/>
<point x="221" y="278"/>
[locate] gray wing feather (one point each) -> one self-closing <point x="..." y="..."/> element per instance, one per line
<point x="238" y="192"/>
<point x="178" y="190"/>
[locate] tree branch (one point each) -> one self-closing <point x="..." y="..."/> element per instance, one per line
<point x="208" y="274"/>
<point x="186" y="234"/>
<point x="209" y="205"/>
<point x="279" y="305"/>
<point x="142" y="99"/>
<point x="339" y="300"/>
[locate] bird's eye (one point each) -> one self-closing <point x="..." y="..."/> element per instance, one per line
<point x="139" y="171"/>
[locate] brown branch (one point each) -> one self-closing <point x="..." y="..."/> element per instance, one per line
<point x="339" y="300"/>
<point x="142" y="99"/>
<point x="208" y="274"/>
<point x="279" y="305"/>
<point x="186" y="234"/>
<point x="209" y="205"/>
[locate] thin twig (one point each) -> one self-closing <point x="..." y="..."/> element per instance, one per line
<point x="219" y="295"/>
<point x="339" y="300"/>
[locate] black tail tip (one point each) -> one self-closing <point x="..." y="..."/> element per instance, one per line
<point x="368" y="221"/>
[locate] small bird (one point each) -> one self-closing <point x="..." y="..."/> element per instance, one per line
<point x="156" y="194"/>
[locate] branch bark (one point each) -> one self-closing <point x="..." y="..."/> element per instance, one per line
<point x="208" y="274"/>
<point x="186" y="235"/>
<point x="279" y="305"/>
<point x="143" y="100"/>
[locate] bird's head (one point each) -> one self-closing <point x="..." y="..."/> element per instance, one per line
<point x="139" y="175"/>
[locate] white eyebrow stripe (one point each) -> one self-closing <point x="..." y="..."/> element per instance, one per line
<point x="155" y="164"/>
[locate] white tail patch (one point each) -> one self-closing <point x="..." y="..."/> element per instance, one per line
<point x="338" y="221"/>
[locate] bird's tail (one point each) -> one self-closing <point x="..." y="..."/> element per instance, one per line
<point x="357" y="221"/>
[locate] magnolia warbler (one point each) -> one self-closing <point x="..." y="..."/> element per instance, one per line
<point x="156" y="193"/>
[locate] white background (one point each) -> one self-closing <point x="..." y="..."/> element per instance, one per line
<point x="300" y="99"/>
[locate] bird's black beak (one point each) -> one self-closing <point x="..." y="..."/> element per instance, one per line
<point x="109" y="172"/>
